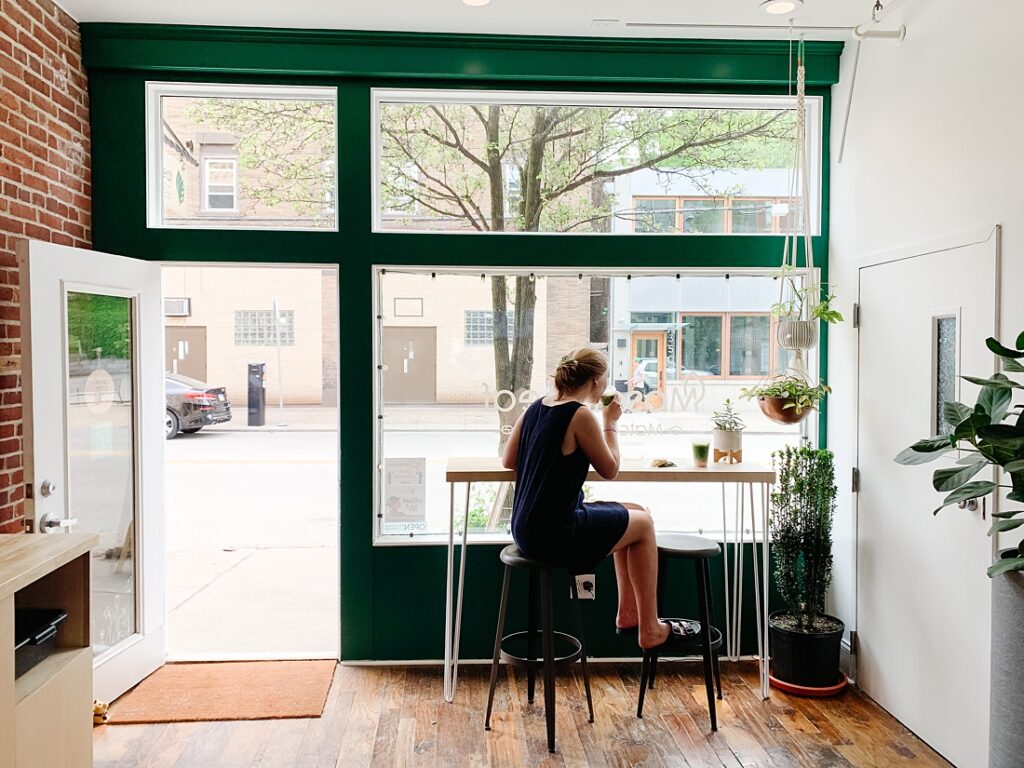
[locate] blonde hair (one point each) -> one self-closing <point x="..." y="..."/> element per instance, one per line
<point x="577" y="368"/>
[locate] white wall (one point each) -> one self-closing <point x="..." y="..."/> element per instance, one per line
<point x="934" y="150"/>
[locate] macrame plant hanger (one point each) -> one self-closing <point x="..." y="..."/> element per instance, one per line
<point x="798" y="333"/>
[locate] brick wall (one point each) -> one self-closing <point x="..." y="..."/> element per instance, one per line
<point x="45" y="189"/>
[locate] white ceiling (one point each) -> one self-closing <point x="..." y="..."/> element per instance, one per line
<point x="617" y="18"/>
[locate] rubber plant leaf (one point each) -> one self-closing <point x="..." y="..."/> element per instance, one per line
<point x="1015" y="466"/>
<point x="1020" y="341"/>
<point x="972" y="490"/>
<point x="1016" y="496"/>
<point x="954" y="477"/>
<point x="1012" y="366"/>
<point x="968" y="429"/>
<point x="1002" y="351"/>
<point x="1002" y="436"/>
<point x="1007" y="564"/>
<point x="924" y="451"/>
<point x="1004" y="525"/>
<point x="995" y="401"/>
<point x="955" y="412"/>
<point x="995" y="381"/>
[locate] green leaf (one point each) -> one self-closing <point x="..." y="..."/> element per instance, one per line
<point x="910" y="457"/>
<point x="1004" y="525"/>
<point x="970" y="458"/>
<point x="1008" y="513"/>
<point x="968" y="429"/>
<point x="954" y="477"/>
<point x="1016" y="496"/>
<point x="972" y="490"/>
<point x="955" y="412"/>
<point x="1002" y="351"/>
<point x="1006" y="564"/>
<point x="1002" y="436"/>
<point x="1012" y="366"/>
<point x="1015" y="466"/>
<point x="998" y="383"/>
<point x="995" y="401"/>
<point x="924" y="451"/>
<point x="1020" y="341"/>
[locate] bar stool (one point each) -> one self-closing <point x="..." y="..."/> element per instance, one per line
<point x="540" y="613"/>
<point x="682" y="546"/>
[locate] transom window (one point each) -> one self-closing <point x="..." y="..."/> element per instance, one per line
<point x="587" y="163"/>
<point x="480" y="327"/>
<point x="241" y="156"/>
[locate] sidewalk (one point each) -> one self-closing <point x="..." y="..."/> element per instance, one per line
<point x="297" y="418"/>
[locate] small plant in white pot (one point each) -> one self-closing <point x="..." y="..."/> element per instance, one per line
<point x="727" y="437"/>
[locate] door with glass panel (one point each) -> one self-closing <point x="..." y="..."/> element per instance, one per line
<point x="92" y="337"/>
<point x="649" y="356"/>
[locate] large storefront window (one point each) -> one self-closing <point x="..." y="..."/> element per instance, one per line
<point x="678" y="347"/>
<point x="579" y="163"/>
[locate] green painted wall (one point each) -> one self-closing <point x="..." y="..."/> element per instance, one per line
<point x="392" y="598"/>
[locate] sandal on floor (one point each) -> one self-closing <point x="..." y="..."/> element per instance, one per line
<point x="680" y="631"/>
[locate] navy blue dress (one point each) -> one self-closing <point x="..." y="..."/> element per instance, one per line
<point x="550" y="520"/>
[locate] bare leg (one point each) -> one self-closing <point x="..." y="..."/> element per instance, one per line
<point x="627" y="615"/>
<point x="641" y="553"/>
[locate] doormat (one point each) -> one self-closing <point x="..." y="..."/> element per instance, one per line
<point x="234" y="690"/>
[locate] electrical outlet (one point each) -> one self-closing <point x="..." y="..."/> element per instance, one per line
<point x="585" y="586"/>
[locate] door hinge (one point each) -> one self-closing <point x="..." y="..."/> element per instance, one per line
<point x="856" y="315"/>
<point x="29" y="492"/>
<point x="855" y="480"/>
<point x="853" y="642"/>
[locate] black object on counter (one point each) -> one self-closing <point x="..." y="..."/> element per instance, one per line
<point x="35" y="636"/>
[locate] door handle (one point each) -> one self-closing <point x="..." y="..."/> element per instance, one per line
<point x="47" y="488"/>
<point x="971" y="505"/>
<point x="49" y="523"/>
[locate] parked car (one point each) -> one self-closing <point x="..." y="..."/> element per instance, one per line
<point x="192" y="405"/>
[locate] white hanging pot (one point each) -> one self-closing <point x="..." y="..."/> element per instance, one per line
<point x="797" y="334"/>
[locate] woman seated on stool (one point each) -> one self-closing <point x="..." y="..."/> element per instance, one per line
<point x="552" y="446"/>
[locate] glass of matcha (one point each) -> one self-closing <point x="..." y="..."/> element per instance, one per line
<point x="700" y="453"/>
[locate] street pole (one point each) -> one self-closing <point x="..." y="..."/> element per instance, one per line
<point x="280" y="378"/>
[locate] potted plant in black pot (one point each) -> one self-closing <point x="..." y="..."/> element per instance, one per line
<point x="991" y="435"/>
<point x="804" y="640"/>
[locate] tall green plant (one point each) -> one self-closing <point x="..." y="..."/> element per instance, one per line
<point x="802" y="505"/>
<point x="985" y="439"/>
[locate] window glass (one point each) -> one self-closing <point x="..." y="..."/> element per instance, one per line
<point x="749" y="345"/>
<point x="450" y="387"/>
<point x="702" y="345"/>
<point x="242" y="156"/>
<point x="945" y="371"/>
<point x="656" y="215"/>
<point x="704" y="216"/>
<point x="256" y="328"/>
<point x="461" y="161"/>
<point x="752" y="216"/>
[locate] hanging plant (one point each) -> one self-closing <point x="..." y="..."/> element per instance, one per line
<point x="787" y="399"/>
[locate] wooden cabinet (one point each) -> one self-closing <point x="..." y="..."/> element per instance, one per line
<point x="46" y="713"/>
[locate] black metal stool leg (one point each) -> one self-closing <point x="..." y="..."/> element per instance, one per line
<point x="532" y="651"/>
<point x="662" y="579"/>
<point x="502" y="606"/>
<point x="645" y="673"/>
<point x="547" y="620"/>
<point x="705" y="628"/>
<point x="583" y="644"/>
<point x="711" y="618"/>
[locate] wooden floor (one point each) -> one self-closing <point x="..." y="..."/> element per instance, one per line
<point x="378" y="716"/>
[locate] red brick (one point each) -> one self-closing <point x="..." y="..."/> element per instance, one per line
<point x="10" y="414"/>
<point x="36" y="232"/>
<point x="12" y="226"/>
<point x="29" y="42"/>
<point x="14" y="89"/>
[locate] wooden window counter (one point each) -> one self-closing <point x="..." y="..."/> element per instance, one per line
<point x="46" y="713"/>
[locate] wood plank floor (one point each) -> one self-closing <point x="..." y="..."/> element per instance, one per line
<point x="380" y="716"/>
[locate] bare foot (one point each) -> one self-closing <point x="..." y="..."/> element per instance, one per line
<point x="657" y="637"/>
<point x="626" y="620"/>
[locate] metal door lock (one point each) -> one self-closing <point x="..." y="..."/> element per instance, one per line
<point x="971" y="505"/>
<point x="47" y="488"/>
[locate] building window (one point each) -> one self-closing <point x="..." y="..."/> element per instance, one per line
<point x="256" y="328"/>
<point x="749" y="345"/>
<point x="220" y="184"/>
<point x="752" y="217"/>
<point x="656" y="214"/>
<point x="705" y="217"/>
<point x="479" y="327"/>
<point x="702" y="344"/>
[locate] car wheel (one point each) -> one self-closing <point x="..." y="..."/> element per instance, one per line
<point x="171" y="425"/>
<point x="191" y="430"/>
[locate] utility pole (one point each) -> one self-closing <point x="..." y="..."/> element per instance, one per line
<point x="280" y="378"/>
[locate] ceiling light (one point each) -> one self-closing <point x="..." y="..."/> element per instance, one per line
<point x="780" y="7"/>
<point x="476" y="3"/>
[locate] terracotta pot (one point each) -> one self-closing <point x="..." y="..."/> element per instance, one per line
<point x="775" y="409"/>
